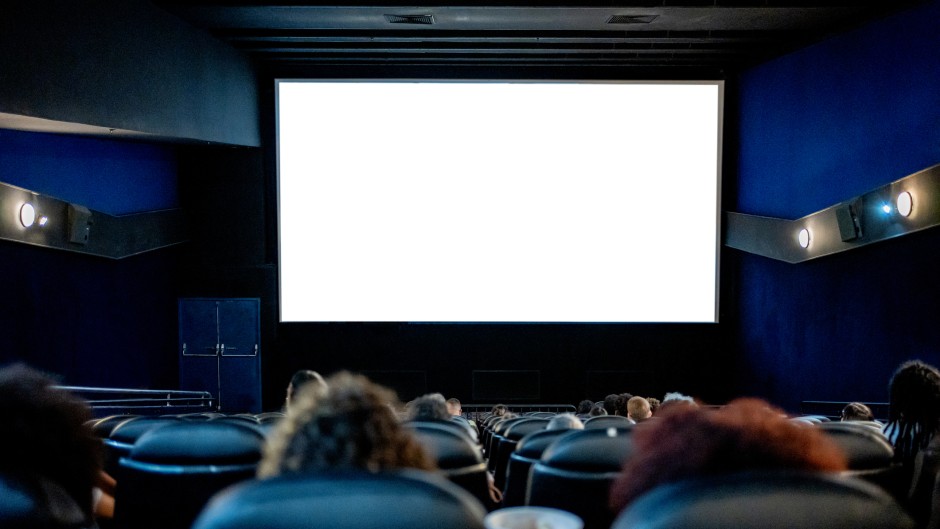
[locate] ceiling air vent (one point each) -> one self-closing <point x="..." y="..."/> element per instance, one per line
<point x="410" y="19"/>
<point x="631" y="19"/>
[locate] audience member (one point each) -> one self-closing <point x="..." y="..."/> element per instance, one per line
<point x="856" y="411"/>
<point x="622" y="404"/>
<point x="676" y="399"/>
<point x="301" y="378"/>
<point x="48" y="445"/>
<point x="565" y="421"/>
<point x="597" y="410"/>
<point x="348" y="424"/>
<point x="454" y="407"/>
<point x="638" y="409"/>
<point x="611" y="404"/>
<point x="913" y="420"/>
<point x="584" y="407"/>
<point x="430" y="407"/>
<point x="746" y="434"/>
<point x="654" y="404"/>
<point x="499" y="410"/>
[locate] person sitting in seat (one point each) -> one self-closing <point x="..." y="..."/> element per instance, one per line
<point x="301" y="378"/>
<point x="638" y="409"/>
<point x="654" y="404"/>
<point x="597" y="410"/>
<point x="565" y="421"/>
<point x="347" y="423"/>
<point x="747" y="434"/>
<point x="584" y="408"/>
<point x="856" y="411"/>
<point x="49" y="447"/>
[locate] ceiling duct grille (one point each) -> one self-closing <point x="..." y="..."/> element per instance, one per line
<point x="410" y="19"/>
<point x="631" y="19"/>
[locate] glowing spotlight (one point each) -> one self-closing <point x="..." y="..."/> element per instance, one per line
<point x="27" y="215"/>
<point x="886" y="208"/>
<point x="905" y="203"/>
<point x="803" y="237"/>
<point x="43" y="220"/>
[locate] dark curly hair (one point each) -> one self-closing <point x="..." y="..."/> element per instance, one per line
<point x="747" y="434"/>
<point x="348" y="423"/>
<point x="914" y="413"/>
<point x="46" y="435"/>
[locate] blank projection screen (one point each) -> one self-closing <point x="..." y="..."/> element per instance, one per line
<point x="498" y="201"/>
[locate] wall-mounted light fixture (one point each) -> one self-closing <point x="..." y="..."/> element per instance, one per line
<point x="803" y="238"/>
<point x="886" y="208"/>
<point x="27" y="215"/>
<point x="905" y="203"/>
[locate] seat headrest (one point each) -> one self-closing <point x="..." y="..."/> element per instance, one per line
<point x="607" y="421"/>
<point x="451" y="449"/>
<point x="406" y="499"/>
<point x="520" y="429"/>
<point x="129" y="431"/>
<point x="766" y="500"/>
<point x="590" y="450"/>
<point x="200" y="443"/>
<point x="534" y="444"/>
<point x="500" y="427"/>
<point x="864" y="447"/>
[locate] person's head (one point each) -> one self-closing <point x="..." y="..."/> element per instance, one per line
<point x="747" y="434"/>
<point x="565" y="421"/>
<point x="300" y="379"/>
<point x="598" y="409"/>
<point x="46" y="435"/>
<point x="856" y="411"/>
<point x="676" y="399"/>
<point x="430" y="407"/>
<point x="654" y="404"/>
<point x="584" y="407"/>
<point x="499" y="410"/>
<point x="914" y="413"/>
<point x="622" y="404"/>
<point x="350" y="424"/>
<point x="611" y="404"/>
<point x="638" y="409"/>
<point x="454" y="407"/>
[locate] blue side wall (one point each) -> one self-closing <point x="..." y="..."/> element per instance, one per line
<point x="91" y="320"/>
<point x="817" y="127"/>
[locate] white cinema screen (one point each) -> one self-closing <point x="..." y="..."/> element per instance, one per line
<point x="421" y="201"/>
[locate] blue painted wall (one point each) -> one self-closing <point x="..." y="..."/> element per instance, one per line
<point x="91" y="320"/>
<point x="817" y="127"/>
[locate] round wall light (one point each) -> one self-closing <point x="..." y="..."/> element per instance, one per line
<point x="905" y="203"/>
<point x="27" y="215"/>
<point x="803" y="237"/>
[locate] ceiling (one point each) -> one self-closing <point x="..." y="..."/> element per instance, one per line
<point x="664" y="38"/>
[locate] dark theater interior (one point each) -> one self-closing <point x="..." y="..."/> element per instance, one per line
<point x="145" y="242"/>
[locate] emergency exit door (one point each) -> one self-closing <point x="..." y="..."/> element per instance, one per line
<point x="219" y="351"/>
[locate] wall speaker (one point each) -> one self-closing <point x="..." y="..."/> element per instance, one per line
<point x="847" y="217"/>
<point x="79" y="224"/>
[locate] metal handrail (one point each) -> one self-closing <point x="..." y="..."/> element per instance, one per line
<point x="143" y="400"/>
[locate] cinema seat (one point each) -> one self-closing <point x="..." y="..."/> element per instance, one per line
<point x="869" y="454"/>
<point x="123" y="437"/>
<point x="172" y="471"/>
<point x="766" y="500"/>
<point x="528" y="451"/>
<point x="457" y="457"/>
<point x="607" y="421"/>
<point x="507" y="444"/>
<point x="31" y="506"/>
<point x="407" y="499"/>
<point x="497" y="435"/>
<point x="576" y="471"/>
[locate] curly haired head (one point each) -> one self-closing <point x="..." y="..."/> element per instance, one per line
<point x="46" y="435"/>
<point x="747" y="434"/>
<point x="914" y="415"/>
<point x="347" y="423"/>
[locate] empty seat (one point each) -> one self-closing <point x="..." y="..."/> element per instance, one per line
<point x="172" y="471"/>
<point x="576" y="471"/>
<point x="507" y="444"/>
<point x="766" y="500"/>
<point x="498" y="429"/>
<point x="528" y="451"/>
<point x="122" y="438"/>
<point x="104" y="426"/>
<point x="870" y="456"/>
<point x="344" y="500"/>
<point x="607" y="421"/>
<point x="458" y="458"/>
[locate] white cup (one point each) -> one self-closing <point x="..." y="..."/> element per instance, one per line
<point x="532" y="518"/>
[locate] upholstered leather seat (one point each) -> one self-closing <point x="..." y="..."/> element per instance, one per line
<point x="766" y="500"/>
<point x="172" y="471"/>
<point x="576" y="471"/>
<point x="122" y="438"/>
<point x="498" y="429"/>
<point x="344" y="500"/>
<point x="527" y="452"/>
<point x="607" y="421"/>
<point x="869" y="454"/>
<point x="458" y="458"/>
<point x="32" y="505"/>
<point x="507" y="444"/>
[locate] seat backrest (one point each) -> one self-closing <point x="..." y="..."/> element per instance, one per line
<point x="458" y="458"/>
<point x="123" y="437"/>
<point x="528" y="450"/>
<point x="607" y="421"/>
<point x="172" y="471"/>
<point x="344" y="500"/>
<point x="104" y="426"/>
<point x="864" y="447"/>
<point x="31" y="505"/>
<point x="766" y="500"/>
<point x="507" y="444"/>
<point x="576" y="471"/>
